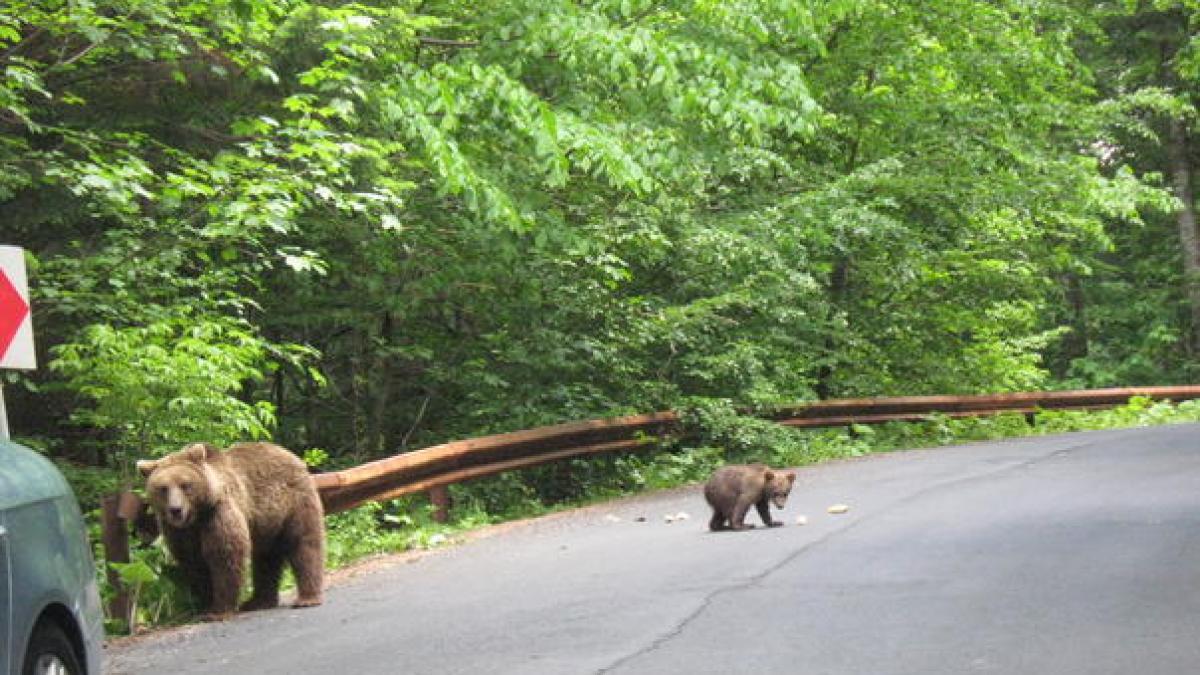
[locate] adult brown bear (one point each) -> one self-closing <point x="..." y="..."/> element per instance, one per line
<point x="217" y="508"/>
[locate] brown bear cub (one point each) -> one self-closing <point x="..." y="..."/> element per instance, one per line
<point x="732" y="490"/>
<point x="217" y="508"/>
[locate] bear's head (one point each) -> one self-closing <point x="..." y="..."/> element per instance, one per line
<point x="180" y="486"/>
<point x="779" y="486"/>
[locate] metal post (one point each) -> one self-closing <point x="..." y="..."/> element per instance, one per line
<point x="4" y="436"/>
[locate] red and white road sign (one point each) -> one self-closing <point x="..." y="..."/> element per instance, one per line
<point x="16" y="321"/>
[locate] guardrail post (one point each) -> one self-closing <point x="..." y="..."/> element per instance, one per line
<point x="115" y="538"/>
<point x="440" y="498"/>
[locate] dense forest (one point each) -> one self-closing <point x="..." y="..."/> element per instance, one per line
<point x="360" y="228"/>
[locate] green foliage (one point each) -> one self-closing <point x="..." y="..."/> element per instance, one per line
<point x="506" y="496"/>
<point x="356" y="533"/>
<point x="674" y="468"/>
<point x="745" y="438"/>
<point x="90" y="484"/>
<point x="314" y="458"/>
<point x="168" y="383"/>
<point x="1140" y="412"/>
<point x="157" y="590"/>
<point x="391" y="527"/>
<point x="494" y="216"/>
<point x="1128" y="308"/>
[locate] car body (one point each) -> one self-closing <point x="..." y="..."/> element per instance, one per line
<point x="51" y="620"/>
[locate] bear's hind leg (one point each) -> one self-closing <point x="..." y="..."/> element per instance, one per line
<point x="308" y="564"/>
<point x="737" y="519"/>
<point x="307" y="555"/>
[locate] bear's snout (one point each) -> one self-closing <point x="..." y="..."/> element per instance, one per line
<point x="176" y="515"/>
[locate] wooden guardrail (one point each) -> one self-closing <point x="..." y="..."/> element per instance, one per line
<point x="841" y="412"/>
<point x="432" y="469"/>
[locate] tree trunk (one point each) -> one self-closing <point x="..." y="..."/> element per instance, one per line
<point x="380" y="388"/>
<point x="1181" y="176"/>
<point x="839" y="281"/>
<point x="1077" y="343"/>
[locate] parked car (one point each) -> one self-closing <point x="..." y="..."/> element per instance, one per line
<point x="50" y="617"/>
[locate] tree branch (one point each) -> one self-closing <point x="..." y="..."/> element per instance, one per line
<point x="213" y="134"/>
<point x="439" y="42"/>
<point x="82" y="53"/>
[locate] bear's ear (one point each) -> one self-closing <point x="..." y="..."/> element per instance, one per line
<point x="768" y="475"/>
<point x="791" y="476"/>
<point x="199" y="452"/>
<point x="147" y="466"/>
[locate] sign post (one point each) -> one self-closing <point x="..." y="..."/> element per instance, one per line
<point x="16" y="323"/>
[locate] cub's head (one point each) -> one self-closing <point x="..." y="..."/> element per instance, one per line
<point x="179" y="486"/>
<point x="779" y="486"/>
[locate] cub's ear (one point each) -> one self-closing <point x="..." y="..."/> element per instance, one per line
<point x="199" y="452"/>
<point x="791" y="476"/>
<point x="147" y="466"/>
<point x="769" y="475"/>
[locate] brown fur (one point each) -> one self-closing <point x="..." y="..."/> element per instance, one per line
<point x="217" y="508"/>
<point x="732" y="490"/>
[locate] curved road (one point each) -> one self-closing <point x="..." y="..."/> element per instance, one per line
<point x="1077" y="553"/>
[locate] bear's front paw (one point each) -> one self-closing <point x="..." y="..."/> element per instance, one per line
<point x="217" y="616"/>
<point x="306" y="602"/>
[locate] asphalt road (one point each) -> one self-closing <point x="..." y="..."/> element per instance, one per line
<point x="1070" y="554"/>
